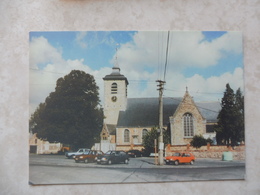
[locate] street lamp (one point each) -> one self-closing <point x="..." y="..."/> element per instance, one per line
<point x="161" y="145"/>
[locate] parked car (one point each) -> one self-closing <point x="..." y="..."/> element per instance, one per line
<point x="153" y="154"/>
<point x="177" y="158"/>
<point x="79" y="152"/>
<point x="113" y="156"/>
<point x="135" y="153"/>
<point x="88" y="156"/>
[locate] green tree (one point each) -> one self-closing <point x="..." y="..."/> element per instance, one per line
<point x="167" y="135"/>
<point x="240" y="124"/>
<point x="148" y="140"/>
<point x="230" y="119"/>
<point x="198" y="141"/>
<point x="72" y="113"/>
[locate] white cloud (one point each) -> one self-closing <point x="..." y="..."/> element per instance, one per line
<point x="186" y="49"/>
<point x="230" y="42"/>
<point x="139" y="60"/>
<point x="43" y="80"/>
<point x="42" y="52"/>
<point x="80" y="39"/>
<point x="209" y="89"/>
<point x="202" y="89"/>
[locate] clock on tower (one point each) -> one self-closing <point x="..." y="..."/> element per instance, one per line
<point x="114" y="98"/>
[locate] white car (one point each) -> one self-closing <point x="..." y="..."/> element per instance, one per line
<point x="73" y="154"/>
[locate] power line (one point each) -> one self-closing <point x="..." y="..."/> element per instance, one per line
<point x="134" y="81"/>
<point x="42" y="83"/>
<point x="47" y="71"/>
<point x="195" y="104"/>
<point x="158" y="56"/>
<point x="195" y="92"/>
<point x="161" y="54"/>
<point x="166" y="59"/>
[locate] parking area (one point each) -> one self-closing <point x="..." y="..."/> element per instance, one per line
<point x="139" y="162"/>
<point x="55" y="169"/>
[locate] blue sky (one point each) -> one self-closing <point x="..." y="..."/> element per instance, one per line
<point x="202" y="61"/>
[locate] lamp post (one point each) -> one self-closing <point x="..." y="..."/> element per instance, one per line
<point x="160" y="140"/>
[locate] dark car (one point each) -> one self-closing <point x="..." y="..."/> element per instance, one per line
<point x="89" y="156"/>
<point x="113" y="156"/>
<point x="135" y="153"/>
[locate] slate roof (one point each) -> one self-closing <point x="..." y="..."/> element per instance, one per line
<point x="144" y="112"/>
<point x="111" y="129"/>
<point x="209" y="110"/>
<point x="115" y="76"/>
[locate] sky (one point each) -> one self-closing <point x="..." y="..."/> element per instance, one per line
<point x="204" y="62"/>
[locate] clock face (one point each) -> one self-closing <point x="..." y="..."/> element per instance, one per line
<point x="114" y="98"/>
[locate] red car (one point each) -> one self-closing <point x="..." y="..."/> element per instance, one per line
<point x="177" y="158"/>
<point x="89" y="156"/>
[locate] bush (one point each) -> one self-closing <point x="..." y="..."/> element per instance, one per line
<point x="198" y="141"/>
<point x="210" y="141"/>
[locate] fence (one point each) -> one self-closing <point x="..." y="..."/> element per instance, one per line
<point x="208" y="151"/>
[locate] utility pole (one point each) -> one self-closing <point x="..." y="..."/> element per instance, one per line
<point x="161" y="145"/>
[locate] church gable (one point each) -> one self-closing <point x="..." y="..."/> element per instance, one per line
<point x="104" y="133"/>
<point x="186" y="122"/>
<point x="187" y="105"/>
<point x="108" y="131"/>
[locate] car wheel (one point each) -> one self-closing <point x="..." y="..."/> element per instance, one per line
<point x="109" y="162"/>
<point x="192" y="162"/>
<point x="176" y="162"/>
<point x="135" y="155"/>
<point x="72" y="156"/>
<point x="76" y="161"/>
<point x="86" y="160"/>
<point x="126" y="161"/>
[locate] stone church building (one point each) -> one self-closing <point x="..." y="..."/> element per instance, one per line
<point x="127" y="120"/>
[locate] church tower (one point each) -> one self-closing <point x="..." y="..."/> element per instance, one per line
<point x="115" y="95"/>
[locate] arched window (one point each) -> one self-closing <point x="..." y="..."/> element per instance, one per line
<point x="114" y="88"/>
<point x="126" y="135"/>
<point x="188" y="125"/>
<point x="144" y="133"/>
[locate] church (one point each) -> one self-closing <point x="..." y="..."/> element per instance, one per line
<point x="127" y="120"/>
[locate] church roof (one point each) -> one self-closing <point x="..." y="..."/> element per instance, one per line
<point x="115" y="77"/>
<point x="209" y="110"/>
<point x="111" y="129"/>
<point x="143" y="112"/>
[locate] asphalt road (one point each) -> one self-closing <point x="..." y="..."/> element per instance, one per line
<point x="54" y="169"/>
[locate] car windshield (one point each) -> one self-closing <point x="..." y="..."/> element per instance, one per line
<point x="110" y="152"/>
